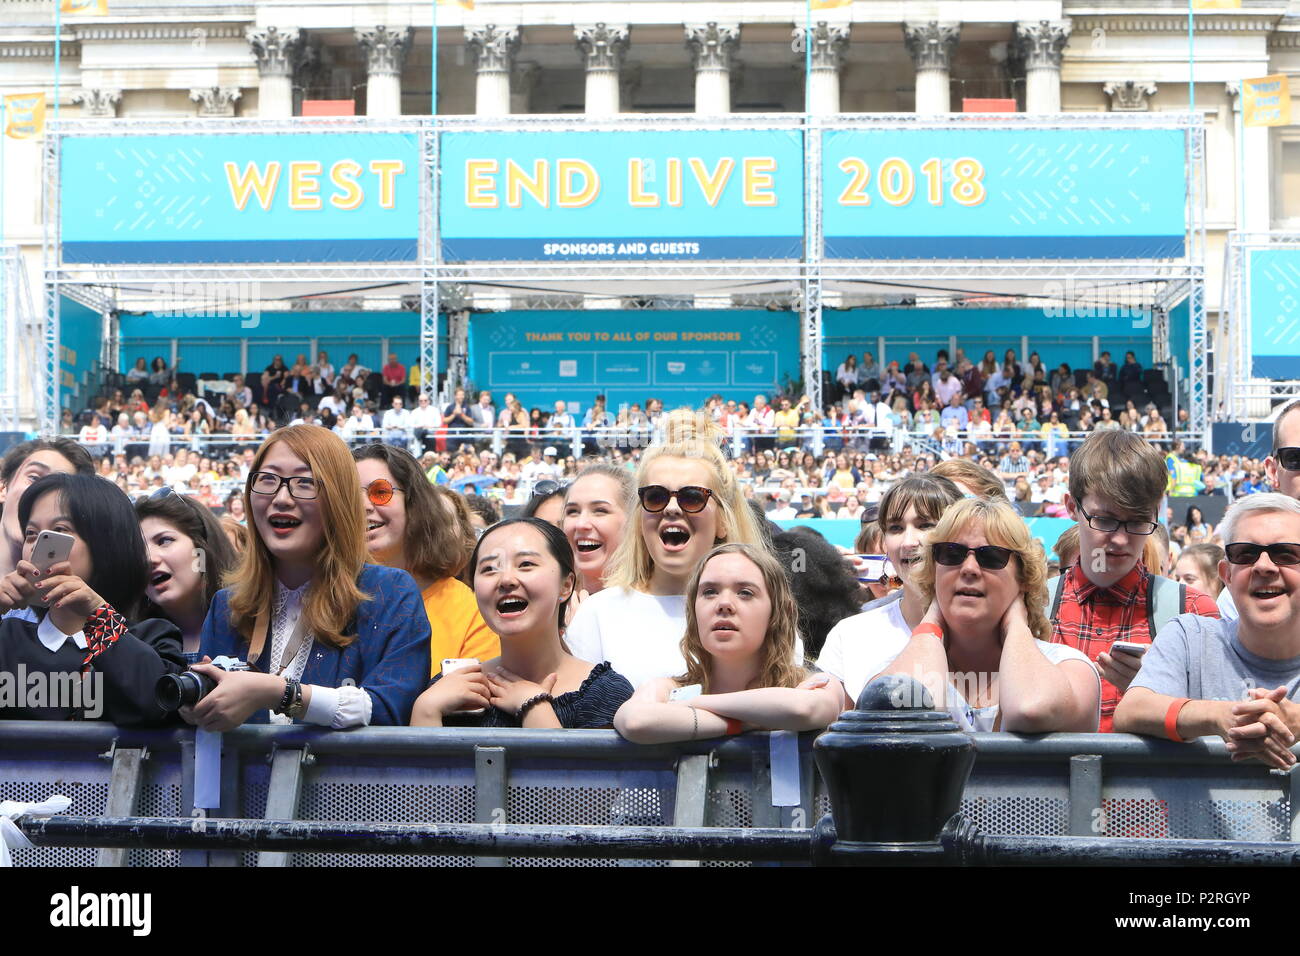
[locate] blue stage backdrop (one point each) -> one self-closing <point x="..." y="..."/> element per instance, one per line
<point x="81" y="336"/>
<point x="1274" y="276"/>
<point x="678" y="357"/>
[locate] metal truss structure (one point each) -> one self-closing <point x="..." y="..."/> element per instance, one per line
<point x="1238" y="394"/>
<point x="1155" y="285"/>
<point x="19" y="331"/>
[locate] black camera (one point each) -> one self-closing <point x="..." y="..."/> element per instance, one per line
<point x="174" y="691"/>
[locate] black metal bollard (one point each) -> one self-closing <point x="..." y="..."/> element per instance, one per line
<point x="895" y="769"/>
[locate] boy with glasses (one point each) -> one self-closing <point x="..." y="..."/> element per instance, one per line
<point x="1233" y="679"/>
<point x="1116" y="483"/>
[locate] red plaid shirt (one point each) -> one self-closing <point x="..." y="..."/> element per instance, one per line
<point x="1090" y="619"/>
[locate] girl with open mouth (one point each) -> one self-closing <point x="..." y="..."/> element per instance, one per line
<point x="329" y="639"/>
<point x="523" y="576"/>
<point x="741" y="628"/>
<point x="596" y="506"/>
<point x="688" y="502"/>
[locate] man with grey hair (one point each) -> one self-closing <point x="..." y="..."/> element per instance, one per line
<point x="1282" y="468"/>
<point x="1233" y="679"/>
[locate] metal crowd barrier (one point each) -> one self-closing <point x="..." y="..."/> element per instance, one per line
<point x="407" y="796"/>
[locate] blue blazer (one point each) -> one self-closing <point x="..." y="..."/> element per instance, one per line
<point x="389" y="659"/>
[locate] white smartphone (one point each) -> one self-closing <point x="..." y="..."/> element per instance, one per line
<point x="1128" y="647"/>
<point x="51" y="548"/>
<point x="452" y="664"/>
<point x="685" y="693"/>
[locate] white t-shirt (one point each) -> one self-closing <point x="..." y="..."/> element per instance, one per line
<point x="639" y="634"/>
<point x="860" y="647"/>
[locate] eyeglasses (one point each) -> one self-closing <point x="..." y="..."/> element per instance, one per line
<point x="547" y="487"/>
<point x="1107" y="524"/>
<point x="162" y="492"/>
<point x="989" y="556"/>
<point x="1289" y="458"/>
<point x="267" y="483"/>
<point x="692" y="499"/>
<point x="380" y="491"/>
<point x="1284" y="555"/>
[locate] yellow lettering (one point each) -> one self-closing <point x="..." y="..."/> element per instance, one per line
<point x="636" y="194"/>
<point x="303" y="185"/>
<point x="518" y="182"/>
<point x="674" y="182"/>
<point x="343" y="175"/>
<point x="252" y="180"/>
<point x="757" y="180"/>
<point x="712" y="184"/>
<point x="480" y="183"/>
<point x="387" y="170"/>
<point x="567" y="171"/>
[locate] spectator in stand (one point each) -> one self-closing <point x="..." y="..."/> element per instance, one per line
<point x="1105" y="369"/>
<point x="762" y="421"/>
<point x="1193" y="679"/>
<point x="946" y="386"/>
<point x="561" y="424"/>
<point x="1013" y="463"/>
<point x="409" y="527"/>
<point x="1130" y="373"/>
<point x="23" y="465"/>
<point x="397" y="424"/>
<point x="353" y="373"/>
<point x="954" y="417"/>
<point x="1116" y="484"/>
<point x="94" y="437"/>
<point x="138" y="373"/>
<point x="332" y="640"/>
<point x="1095" y="389"/>
<point x="741" y="629"/>
<point x="424" y="422"/>
<point x="869" y="374"/>
<point x="847" y="373"/>
<point x="893" y="380"/>
<point x="523" y="579"/>
<point x="188" y="555"/>
<point x="1061" y="379"/>
<point x="393" y="376"/>
<point x="91" y="621"/>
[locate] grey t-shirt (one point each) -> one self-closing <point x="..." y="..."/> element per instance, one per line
<point x="1201" y="658"/>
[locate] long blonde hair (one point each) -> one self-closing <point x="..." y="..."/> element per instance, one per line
<point x="332" y="600"/>
<point x="778" y="667"/>
<point x="1006" y="529"/>
<point x="693" y="436"/>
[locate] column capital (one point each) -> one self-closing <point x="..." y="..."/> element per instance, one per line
<point x="829" y="43"/>
<point x="602" y="46"/>
<point x="712" y="45"/>
<point x="1129" y="96"/>
<point x="385" y="47"/>
<point x="493" y="47"/>
<point x="98" y="102"/>
<point x="1041" y="43"/>
<point x="931" y="43"/>
<point x="216" y="100"/>
<point x="279" y="52"/>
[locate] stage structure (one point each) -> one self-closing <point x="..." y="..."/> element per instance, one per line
<point x="1258" y="340"/>
<point x="19" y="333"/>
<point x="1081" y="214"/>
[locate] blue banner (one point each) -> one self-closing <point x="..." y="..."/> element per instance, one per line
<point x="639" y="194"/>
<point x="1274" y="276"/>
<point x="274" y="197"/>
<point x="1004" y="193"/>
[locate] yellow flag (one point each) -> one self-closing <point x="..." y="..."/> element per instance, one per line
<point x="1266" y="101"/>
<point x="829" y="4"/>
<point x="84" y="8"/>
<point x="1216" y="4"/>
<point x="24" y="115"/>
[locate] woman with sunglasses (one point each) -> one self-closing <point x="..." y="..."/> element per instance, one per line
<point x="688" y="503"/>
<point x="982" y="649"/>
<point x="330" y="639"/>
<point x="741" y="627"/>
<point x="408" y="527"/>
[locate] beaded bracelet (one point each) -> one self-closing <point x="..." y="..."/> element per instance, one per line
<point x="102" y="629"/>
<point x="530" y="703"/>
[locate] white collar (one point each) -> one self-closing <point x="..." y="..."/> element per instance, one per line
<point x="53" y="638"/>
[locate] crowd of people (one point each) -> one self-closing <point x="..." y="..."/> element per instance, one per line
<point x="653" y="593"/>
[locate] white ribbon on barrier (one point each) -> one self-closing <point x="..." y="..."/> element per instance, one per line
<point x="12" y="838"/>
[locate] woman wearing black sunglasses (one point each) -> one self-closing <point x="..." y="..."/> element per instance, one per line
<point x="980" y="649"/>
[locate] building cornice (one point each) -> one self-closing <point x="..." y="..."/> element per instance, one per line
<point x="1153" y="23"/>
<point x="36" y="50"/>
<point x="160" y="31"/>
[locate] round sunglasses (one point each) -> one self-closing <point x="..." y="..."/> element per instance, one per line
<point x="989" y="556"/>
<point x="692" y="499"/>
<point x="380" y="491"/>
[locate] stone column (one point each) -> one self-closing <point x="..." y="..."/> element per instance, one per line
<point x="1252" y="160"/>
<point x="829" y="43"/>
<point x="712" y="48"/>
<point x="1129" y="96"/>
<point x="386" y="49"/>
<point x="279" y="53"/>
<point x="1041" y="44"/>
<point x="931" y="45"/>
<point x="494" y="49"/>
<point x="98" y="103"/>
<point x="216" y="100"/>
<point x="602" y="48"/>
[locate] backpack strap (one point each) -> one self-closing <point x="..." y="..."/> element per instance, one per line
<point x="1166" y="599"/>
<point x="1055" y="588"/>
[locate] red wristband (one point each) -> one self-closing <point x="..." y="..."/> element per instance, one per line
<point x="1171" y="719"/>
<point x="927" y="627"/>
<point x="733" y="726"/>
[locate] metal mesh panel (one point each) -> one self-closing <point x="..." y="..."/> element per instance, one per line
<point x="1197" y="803"/>
<point x="85" y="784"/>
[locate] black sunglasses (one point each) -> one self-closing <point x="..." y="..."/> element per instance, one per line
<point x="989" y="556"/>
<point x="692" y="499"/>
<point x="547" y="487"/>
<point x="1289" y="458"/>
<point x="1284" y="554"/>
